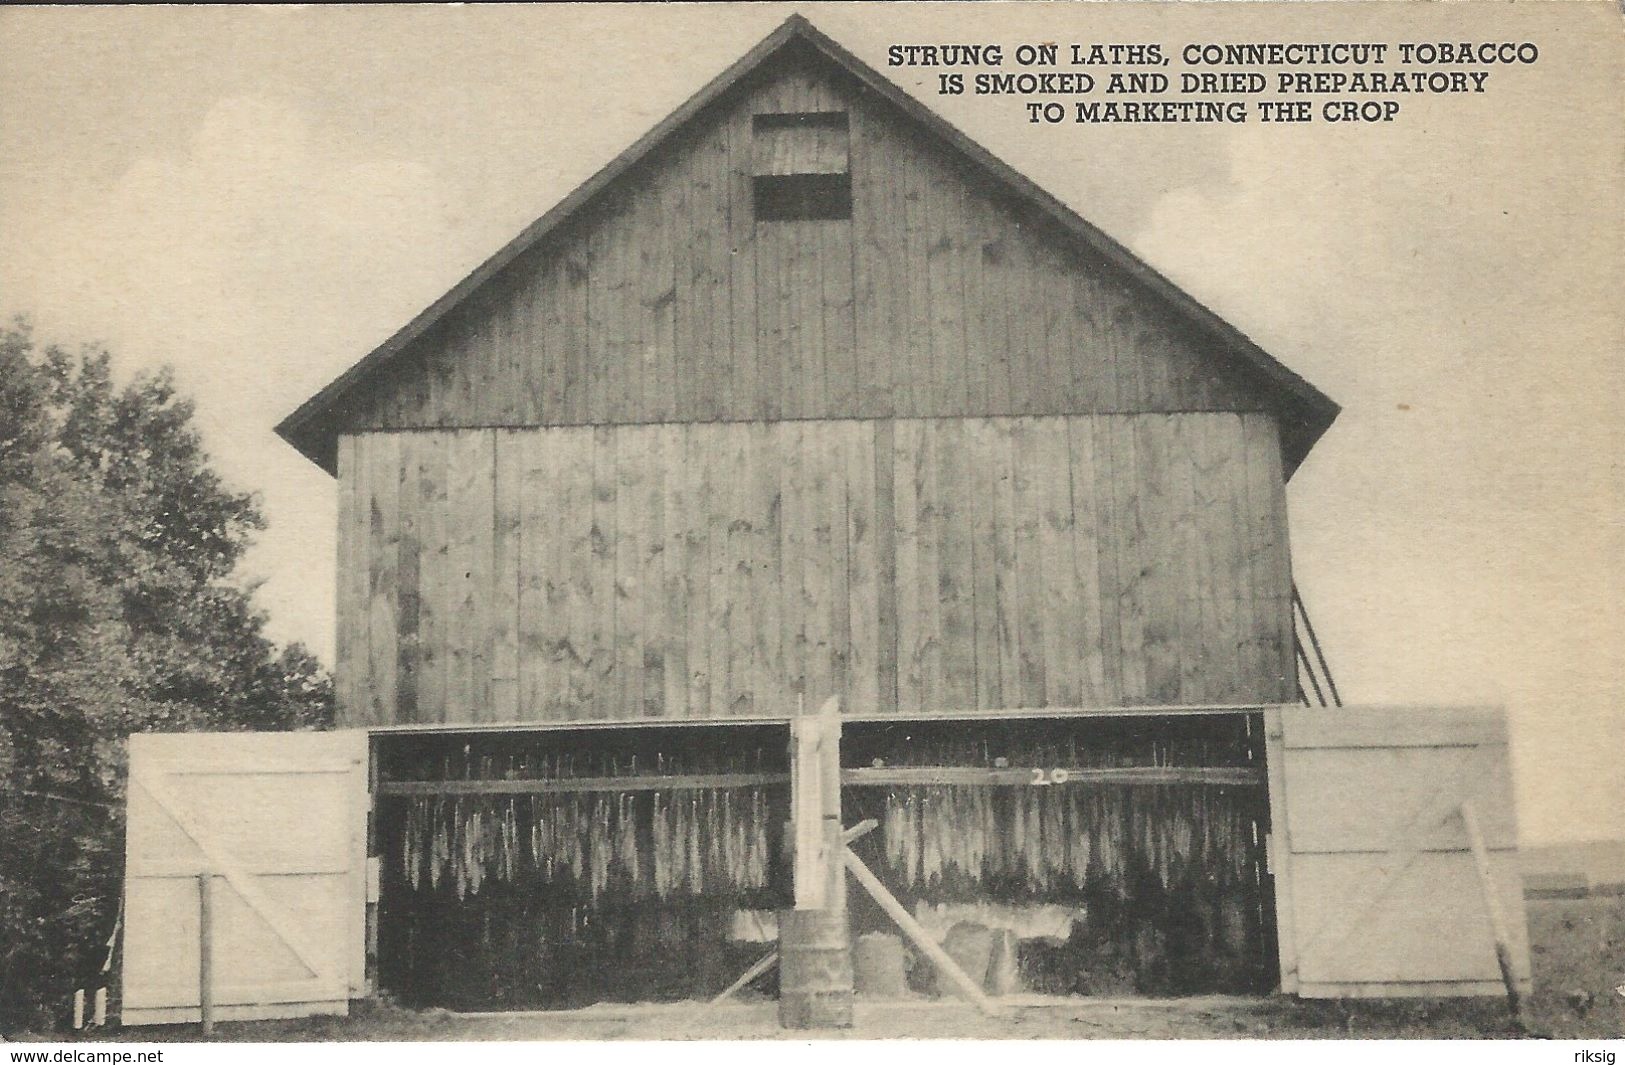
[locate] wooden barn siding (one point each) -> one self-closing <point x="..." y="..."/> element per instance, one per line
<point x="723" y="569"/>
<point x="666" y="301"/>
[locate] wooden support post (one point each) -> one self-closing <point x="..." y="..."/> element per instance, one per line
<point x="1492" y="903"/>
<point x="815" y="808"/>
<point x="205" y="951"/>
<point x="829" y="767"/>
<point x="922" y="939"/>
<point x="815" y="943"/>
<point x="857" y="831"/>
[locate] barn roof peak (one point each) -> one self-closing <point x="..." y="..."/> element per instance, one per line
<point x="314" y="426"/>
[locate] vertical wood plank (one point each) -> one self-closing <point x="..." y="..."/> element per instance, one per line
<point x="435" y="589"/>
<point x="505" y="591"/>
<point x="673" y="230"/>
<point x="1222" y="500"/>
<point x="604" y="701"/>
<point x="572" y="327"/>
<point x="685" y="190"/>
<point x="984" y="464"/>
<point x="1006" y="583"/>
<point x="1159" y="555"/>
<point x="817" y="591"/>
<point x="675" y="508"/>
<point x="408" y="598"/>
<point x="914" y="389"/>
<point x="1271" y="571"/>
<point x="863" y="580"/>
<point x="1031" y="609"/>
<point x="767" y="577"/>
<point x="880" y="300"/>
<point x="910" y="684"/>
<point x="1193" y="591"/>
<point x="839" y="591"/>
<point x="631" y="450"/>
<point x="562" y="515"/>
<point x="1127" y="542"/>
<point x="928" y="502"/>
<point x="718" y="518"/>
<point x="794" y="529"/>
<point x="1063" y="641"/>
<point x="381" y="460"/>
<point x="742" y="309"/>
<point x="697" y="552"/>
<point x="540" y="496"/>
<point x="1025" y="321"/>
<point x="742" y="535"/>
<point x="651" y="586"/>
<point x="575" y="690"/>
<point x="348" y="642"/>
<point x="806" y="393"/>
<point x="470" y="505"/>
<point x="956" y="587"/>
<point x="880" y="433"/>
<point x="1088" y="520"/>
<point x="945" y="279"/>
<point x="841" y="388"/>
<point x="713" y="252"/>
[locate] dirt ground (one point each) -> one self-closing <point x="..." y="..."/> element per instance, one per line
<point x="1577" y="952"/>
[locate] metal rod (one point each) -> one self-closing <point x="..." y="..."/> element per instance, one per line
<point x="1303" y="660"/>
<point x="1309" y="627"/>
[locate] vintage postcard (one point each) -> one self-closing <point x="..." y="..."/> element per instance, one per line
<point x="812" y="521"/>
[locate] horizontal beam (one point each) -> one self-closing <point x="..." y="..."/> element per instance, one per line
<point x="1059" y="775"/>
<point x="533" y="786"/>
<point x="1018" y="713"/>
<point x="1045" y="713"/>
<point x="885" y="776"/>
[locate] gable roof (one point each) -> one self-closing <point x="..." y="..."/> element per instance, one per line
<point x="313" y="427"/>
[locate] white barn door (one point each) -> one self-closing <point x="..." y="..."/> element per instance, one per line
<point x="280" y="821"/>
<point x="1377" y="890"/>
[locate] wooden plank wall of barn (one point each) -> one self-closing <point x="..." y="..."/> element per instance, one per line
<point x="719" y="569"/>
<point x="664" y="300"/>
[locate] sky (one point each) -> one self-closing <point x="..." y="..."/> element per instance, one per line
<point x="259" y="196"/>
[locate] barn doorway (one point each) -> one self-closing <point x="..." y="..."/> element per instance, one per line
<point x="1105" y="855"/>
<point x="558" y="868"/>
<point x="554" y="869"/>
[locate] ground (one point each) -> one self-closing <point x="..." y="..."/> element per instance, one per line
<point x="1577" y="953"/>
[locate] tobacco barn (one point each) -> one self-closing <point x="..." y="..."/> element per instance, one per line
<point x="808" y="425"/>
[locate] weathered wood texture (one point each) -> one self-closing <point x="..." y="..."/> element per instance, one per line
<point x="664" y="299"/>
<point x="719" y="570"/>
<point x="1378" y="890"/>
<point x="287" y="907"/>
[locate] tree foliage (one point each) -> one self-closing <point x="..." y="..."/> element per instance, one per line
<point x="119" y="613"/>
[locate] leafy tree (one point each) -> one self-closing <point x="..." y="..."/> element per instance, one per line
<point x="119" y="613"/>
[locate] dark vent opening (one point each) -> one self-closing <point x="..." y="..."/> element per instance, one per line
<point x="803" y="197"/>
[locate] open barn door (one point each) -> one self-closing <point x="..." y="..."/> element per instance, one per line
<point x="278" y="821"/>
<point x="1378" y="893"/>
